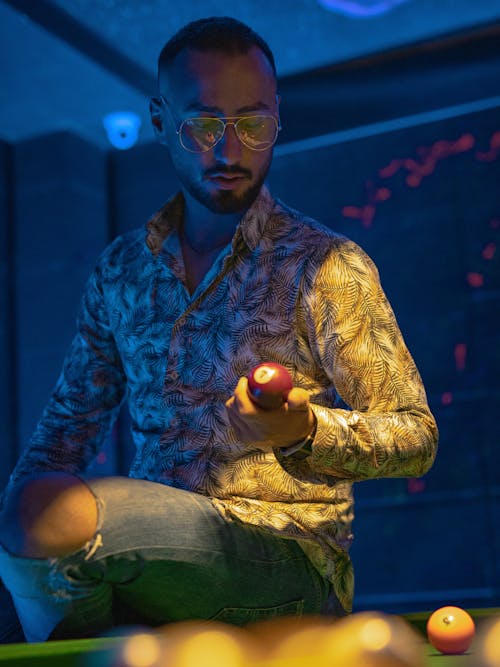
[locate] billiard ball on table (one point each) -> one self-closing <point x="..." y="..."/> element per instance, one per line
<point x="451" y="630"/>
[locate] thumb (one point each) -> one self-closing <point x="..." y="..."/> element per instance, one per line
<point x="298" y="400"/>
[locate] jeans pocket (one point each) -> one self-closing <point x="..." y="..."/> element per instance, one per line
<point x="245" y="615"/>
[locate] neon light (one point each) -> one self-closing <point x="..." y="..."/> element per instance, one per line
<point x="415" y="485"/>
<point x="446" y="398"/>
<point x="361" y="8"/>
<point x="460" y="356"/>
<point x="489" y="251"/>
<point x="382" y="194"/>
<point x="417" y="169"/>
<point x="365" y="214"/>
<point x="492" y="154"/>
<point x="475" y="279"/>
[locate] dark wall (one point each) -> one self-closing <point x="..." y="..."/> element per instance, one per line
<point x="8" y="404"/>
<point x="411" y="80"/>
<point x="55" y="223"/>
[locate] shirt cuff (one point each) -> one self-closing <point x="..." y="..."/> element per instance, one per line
<point x="304" y="445"/>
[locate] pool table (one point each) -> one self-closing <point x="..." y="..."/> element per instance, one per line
<point x="69" y="653"/>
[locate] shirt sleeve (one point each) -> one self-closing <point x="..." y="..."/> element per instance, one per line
<point x="78" y="417"/>
<point x="389" y="430"/>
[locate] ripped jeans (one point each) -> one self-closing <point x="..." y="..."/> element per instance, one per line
<point x="161" y="555"/>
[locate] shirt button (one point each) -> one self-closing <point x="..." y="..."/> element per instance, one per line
<point x="174" y="375"/>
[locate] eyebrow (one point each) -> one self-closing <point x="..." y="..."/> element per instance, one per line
<point x="196" y="106"/>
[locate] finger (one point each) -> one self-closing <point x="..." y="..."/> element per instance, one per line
<point x="234" y="402"/>
<point x="241" y="387"/>
<point x="298" y="400"/>
<point x="242" y="399"/>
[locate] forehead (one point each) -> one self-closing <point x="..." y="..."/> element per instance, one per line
<point x="222" y="80"/>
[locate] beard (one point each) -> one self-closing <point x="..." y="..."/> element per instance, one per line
<point x="227" y="201"/>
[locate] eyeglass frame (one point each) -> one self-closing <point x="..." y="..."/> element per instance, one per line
<point x="226" y="120"/>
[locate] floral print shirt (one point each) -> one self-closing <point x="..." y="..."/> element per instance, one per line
<point x="286" y="289"/>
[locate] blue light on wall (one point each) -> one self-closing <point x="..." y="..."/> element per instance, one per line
<point x="122" y="128"/>
<point x="361" y="8"/>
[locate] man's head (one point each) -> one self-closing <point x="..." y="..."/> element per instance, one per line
<point x="218" y="68"/>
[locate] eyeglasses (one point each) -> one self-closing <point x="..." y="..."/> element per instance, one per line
<point x="198" y="135"/>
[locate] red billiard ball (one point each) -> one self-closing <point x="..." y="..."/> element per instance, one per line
<point x="451" y="630"/>
<point x="269" y="384"/>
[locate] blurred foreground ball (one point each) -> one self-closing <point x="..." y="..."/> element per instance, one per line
<point x="293" y="640"/>
<point x="487" y="647"/>
<point x="366" y="639"/>
<point x="125" y="647"/>
<point x="207" y="644"/>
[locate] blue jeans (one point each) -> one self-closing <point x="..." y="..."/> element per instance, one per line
<point x="10" y="628"/>
<point x="160" y="555"/>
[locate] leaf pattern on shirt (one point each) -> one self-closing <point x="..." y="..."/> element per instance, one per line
<point x="286" y="289"/>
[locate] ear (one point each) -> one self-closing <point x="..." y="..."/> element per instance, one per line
<point x="156" y="112"/>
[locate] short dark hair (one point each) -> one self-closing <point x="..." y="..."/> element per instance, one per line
<point x="216" y="33"/>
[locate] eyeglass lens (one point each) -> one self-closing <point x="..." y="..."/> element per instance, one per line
<point x="201" y="134"/>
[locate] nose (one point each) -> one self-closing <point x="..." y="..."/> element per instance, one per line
<point x="229" y="147"/>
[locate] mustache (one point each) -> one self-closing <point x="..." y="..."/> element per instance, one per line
<point x="223" y="169"/>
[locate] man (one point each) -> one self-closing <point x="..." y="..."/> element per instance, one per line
<point x="231" y="512"/>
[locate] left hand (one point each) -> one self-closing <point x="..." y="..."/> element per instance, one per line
<point x="268" y="429"/>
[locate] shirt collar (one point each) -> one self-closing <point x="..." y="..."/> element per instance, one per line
<point x="169" y="218"/>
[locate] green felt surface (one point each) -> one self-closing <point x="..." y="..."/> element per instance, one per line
<point x="65" y="653"/>
<point x="89" y="652"/>
<point x="435" y="659"/>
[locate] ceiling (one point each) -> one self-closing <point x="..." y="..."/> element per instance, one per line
<point x="68" y="63"/>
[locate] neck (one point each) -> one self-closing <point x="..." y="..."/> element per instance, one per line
<point x="203" y="230"/>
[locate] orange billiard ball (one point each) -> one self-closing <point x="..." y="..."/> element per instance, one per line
<point x="451" y="630"/>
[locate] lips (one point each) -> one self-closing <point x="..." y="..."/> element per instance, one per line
<point x="230" y="176"/>
<point x="227" y="181"/>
